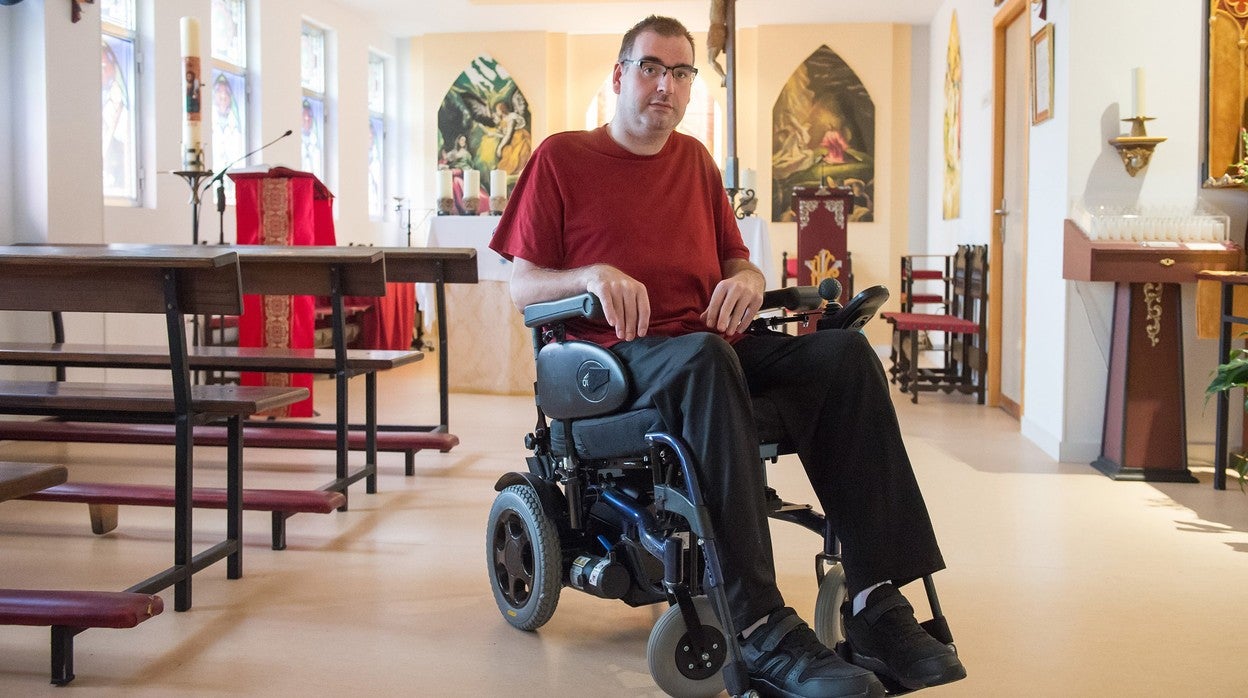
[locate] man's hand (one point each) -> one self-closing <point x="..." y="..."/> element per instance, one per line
<point x="625" y="302"/>
<point x="735" y="301"/>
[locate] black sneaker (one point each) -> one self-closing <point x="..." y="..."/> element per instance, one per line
<point x="785" y="659"/>
<point x="886" y="639"/>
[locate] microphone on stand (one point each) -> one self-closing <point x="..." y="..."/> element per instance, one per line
<point x="219" y="178"/>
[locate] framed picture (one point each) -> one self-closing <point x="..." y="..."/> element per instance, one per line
<point x="1042" y="75"/>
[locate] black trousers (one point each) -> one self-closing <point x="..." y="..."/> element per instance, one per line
<point x="831" y="396"/>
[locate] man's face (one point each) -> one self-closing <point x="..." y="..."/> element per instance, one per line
<point x="652" y="104"/>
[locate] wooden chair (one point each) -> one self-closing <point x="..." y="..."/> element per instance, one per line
<point x="926" y="280"/>
<point x="963" y="360"/>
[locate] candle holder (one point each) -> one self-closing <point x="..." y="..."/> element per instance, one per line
<point x="497" y="204"/>
<point x="193" y="178"/>
<point x="1136" y="149"/>
<point x="446" y="206"/>
<point x="472" y="205"/>
<point x="746" y="206"/>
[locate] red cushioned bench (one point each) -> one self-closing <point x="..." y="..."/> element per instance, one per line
<point x="102" y="500"/>
<point x="71" y="612"/>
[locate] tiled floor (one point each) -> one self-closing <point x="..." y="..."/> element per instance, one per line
<point x="1060" y="581"/>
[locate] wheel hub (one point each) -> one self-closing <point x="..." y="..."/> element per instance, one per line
<point x="700" y="653"/>
<point x="513" y="558"/>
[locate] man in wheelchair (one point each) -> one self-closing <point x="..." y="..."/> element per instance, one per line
<point x="636" y="214"/>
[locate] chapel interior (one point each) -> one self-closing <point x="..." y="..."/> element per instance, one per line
<point x="1092" y="154"/>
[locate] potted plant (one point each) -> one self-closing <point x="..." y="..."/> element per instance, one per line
<point x="1227" y="376"/>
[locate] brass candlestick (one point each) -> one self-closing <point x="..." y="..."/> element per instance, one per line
<point x="1136" y="149"/>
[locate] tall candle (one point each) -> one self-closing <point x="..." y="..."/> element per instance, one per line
<point x="472" y="184"/>
<point x="498" y="183"/>
<point x="446" y="184"/>
<point x="749" y="178"/>
<point x="192" y="147"/>
<point x="1138" y="101"/>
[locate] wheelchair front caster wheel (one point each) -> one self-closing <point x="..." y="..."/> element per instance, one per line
<point x="829" y="627"/>
<point x="523" y="555"/>
<point x="684" y="664"/>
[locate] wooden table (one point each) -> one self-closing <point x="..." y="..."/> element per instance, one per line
<point x="172" y="281"/>
<point x="1228" y="319"/>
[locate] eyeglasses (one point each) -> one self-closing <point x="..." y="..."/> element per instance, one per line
<point x="653" y="70"/>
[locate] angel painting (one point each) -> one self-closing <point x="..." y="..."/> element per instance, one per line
<point x="484" y="123"/>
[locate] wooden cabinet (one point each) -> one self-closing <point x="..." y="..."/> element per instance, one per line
<point x="1144" y="434"/>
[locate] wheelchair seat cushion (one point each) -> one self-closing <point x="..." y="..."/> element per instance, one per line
<point x="623" y="434"/>
<point x="618" y="435"/>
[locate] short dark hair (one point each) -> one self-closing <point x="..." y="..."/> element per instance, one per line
<point x="663" y="26"/>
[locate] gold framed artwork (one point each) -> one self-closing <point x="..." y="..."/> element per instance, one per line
<point x="1227" y="107"/>
<point x="1042" y="75"/>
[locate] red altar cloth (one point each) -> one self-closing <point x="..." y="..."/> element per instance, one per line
<point x="390" y="320"/>
<point x="281" y="207"/>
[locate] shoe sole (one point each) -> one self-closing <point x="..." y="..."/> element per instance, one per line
<point x="875" y="690"/>
<point x="950" y="673"/>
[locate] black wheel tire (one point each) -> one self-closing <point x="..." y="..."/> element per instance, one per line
<point x="829" y="627"/>
<point x="523" y="555"/>
<point x="665" y="650"/>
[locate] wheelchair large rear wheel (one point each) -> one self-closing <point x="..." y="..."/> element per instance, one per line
<point x="685" y="665"/>
<point x="524" y="558"/>
<point x="829" y="626"/>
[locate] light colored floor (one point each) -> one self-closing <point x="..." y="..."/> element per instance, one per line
<point x="1060" y="581"/>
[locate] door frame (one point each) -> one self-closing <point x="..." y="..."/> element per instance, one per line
<point x="1007" y="15"/>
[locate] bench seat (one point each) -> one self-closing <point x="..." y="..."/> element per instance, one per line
<point x="70" y="612"/>
<point x="406" y="442"/>
<point x="104" y="498"/>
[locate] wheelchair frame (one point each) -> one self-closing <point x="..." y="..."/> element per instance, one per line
<point x="652" y="502"/>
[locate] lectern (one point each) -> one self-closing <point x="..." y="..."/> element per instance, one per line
<point x="281" y="207"/>
<point x="1144" y="434"/>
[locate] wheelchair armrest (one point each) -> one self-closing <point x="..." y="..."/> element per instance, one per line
<point x="796" y="298"/>
<point x="585" y="305"/>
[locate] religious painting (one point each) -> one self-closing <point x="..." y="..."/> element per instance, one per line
<point x="484" y="124"/>
<point x="823" y="134"/>
<point x="1227" y="93"/>
<point x="953" y="124"/>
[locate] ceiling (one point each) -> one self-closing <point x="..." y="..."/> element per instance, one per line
<point x="414" y="17"/>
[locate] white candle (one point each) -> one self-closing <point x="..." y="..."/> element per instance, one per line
<point x="498" y="183"/>
<point x="446" y="184"/>
<point x="749" y="179"/>
<point x="1138" y="101"/>
<point x="472" y="184"/>
<point x="191" y="142"/>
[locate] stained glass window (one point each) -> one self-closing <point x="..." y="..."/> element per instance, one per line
<point x="312" y="121"/>
<point x="118" y="102"/>
<point x="229" y="87"/>
<point x="376" y="136"/>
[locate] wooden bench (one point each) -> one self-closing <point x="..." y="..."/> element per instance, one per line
<point x="173" y="282"/>
<point x="20" y="479"/>
<point x="71" y="612"/>
<point x="102" y="500"/>
<point x="405" y="442"/>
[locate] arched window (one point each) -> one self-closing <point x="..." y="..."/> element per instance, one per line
<point x="704" y="118"/>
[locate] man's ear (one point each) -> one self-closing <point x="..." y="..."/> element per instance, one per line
<point x="617" y="74"/>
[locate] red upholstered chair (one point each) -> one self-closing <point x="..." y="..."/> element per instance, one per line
<point x="962" y="358"/>
<point x="926" y="280"/>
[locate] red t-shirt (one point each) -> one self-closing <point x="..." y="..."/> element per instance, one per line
<point x="663" y="219"/>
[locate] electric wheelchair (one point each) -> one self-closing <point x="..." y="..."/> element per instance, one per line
<point x="620" y="514"/>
